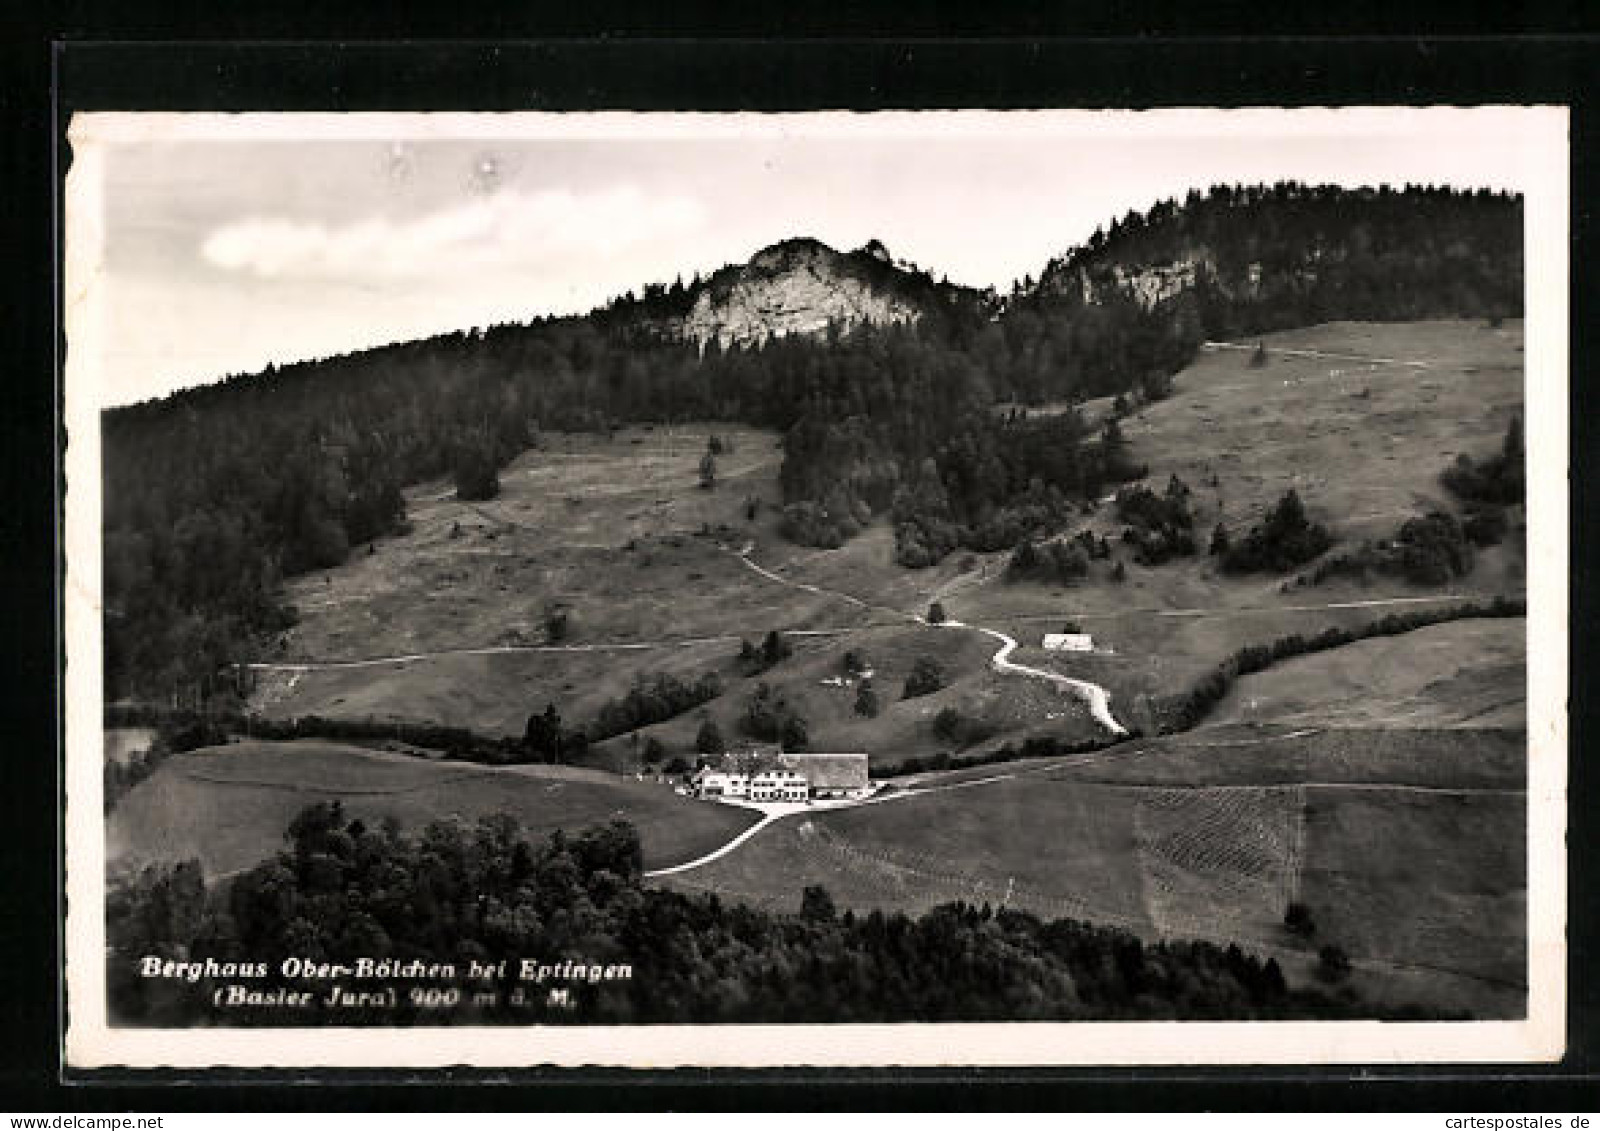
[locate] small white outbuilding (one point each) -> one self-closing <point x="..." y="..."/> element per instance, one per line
<point x="1068" y="642"/>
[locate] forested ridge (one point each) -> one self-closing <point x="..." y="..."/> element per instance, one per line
<point x="215" y="494"/>
<point x="1270" y="257"/>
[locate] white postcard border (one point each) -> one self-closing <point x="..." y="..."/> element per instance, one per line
<point x="90" y="1042"/>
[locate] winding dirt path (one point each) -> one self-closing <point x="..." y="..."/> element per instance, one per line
<point x="1096" y="697"/>
<point x="719" y="853"/>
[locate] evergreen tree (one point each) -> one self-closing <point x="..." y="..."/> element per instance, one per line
<point x="542" y="736"/>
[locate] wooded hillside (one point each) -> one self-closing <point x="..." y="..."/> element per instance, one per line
<point x="215" y="494"/>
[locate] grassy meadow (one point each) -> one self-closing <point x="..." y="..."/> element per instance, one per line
<point x="618" y="532"/>
<point x="228" y="806"/>
<point x="1379" y="783"/>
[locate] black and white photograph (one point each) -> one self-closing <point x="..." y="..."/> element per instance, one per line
<point x="907" y="588"/>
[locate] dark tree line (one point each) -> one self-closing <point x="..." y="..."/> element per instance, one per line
<point x="653" y="700"/>
<point x="1272" y="257"/>
<point x="1181" y="712"/>
<point x="186" y="728"/>
<point x="1057" y="562"/>
<point x="342" y="890"/>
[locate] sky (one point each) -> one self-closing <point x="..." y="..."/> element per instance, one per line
<point x="201" y="245"/>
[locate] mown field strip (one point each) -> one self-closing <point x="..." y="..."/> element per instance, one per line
<point x="314" y="787"/>
<point x="1285" y="351"/>
<point x="517" y="649"/>
<point x="1392" y="787"/>
<point x="961" y="883"/>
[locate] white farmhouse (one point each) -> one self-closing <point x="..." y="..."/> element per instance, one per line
<point x="719" y="783"/>
<point x="1068" y="642"/>
<point x="779" y="785"/>
<point x="775" y="776"/>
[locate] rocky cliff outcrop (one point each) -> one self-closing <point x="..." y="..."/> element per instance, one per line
<point x="802" y="286"/>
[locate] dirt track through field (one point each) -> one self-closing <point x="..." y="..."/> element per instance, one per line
<point x="1230" y="610"/>
<point x="520" y="649"/>
<point x="1063" y="762"/>
<point x="720" y="852"/>
<point x="330" y="790"/>
<point x="1284" y="351"/>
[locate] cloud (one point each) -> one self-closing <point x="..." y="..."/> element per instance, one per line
<point x="501" y="228"/>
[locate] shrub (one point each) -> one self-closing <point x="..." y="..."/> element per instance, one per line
<point x="794" y="735"/>
<point x="926" y="677"/>
<point x="1428" y="550"/>
<point x="950" y="725"/>
<point x="1486" y="527"/>
<point x="1298" y="920"/>
<point x="810" y="524"/>
<point x="1161" y="527"/>
<point x="775" y="648"/>
<point x="1497" y="479"/>
<point x="924" y="541"/>
<point x="1156" y="385"/>
<point x="771" y="718"/>
<point x="709" y="741"/>
<point x="947" y="724"/>
<point x="1433" y="549"/>
<point x="476" y="477"/>
<point x="1333" y="964"/>
<point x="1286" y="538"/>
<point x="1053" y="562"/>
<point x="557" y="624"/>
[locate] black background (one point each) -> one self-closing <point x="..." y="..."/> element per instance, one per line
<point x="314" y="56"/>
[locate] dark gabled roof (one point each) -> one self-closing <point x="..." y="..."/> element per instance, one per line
<point x="829" y="771"/>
